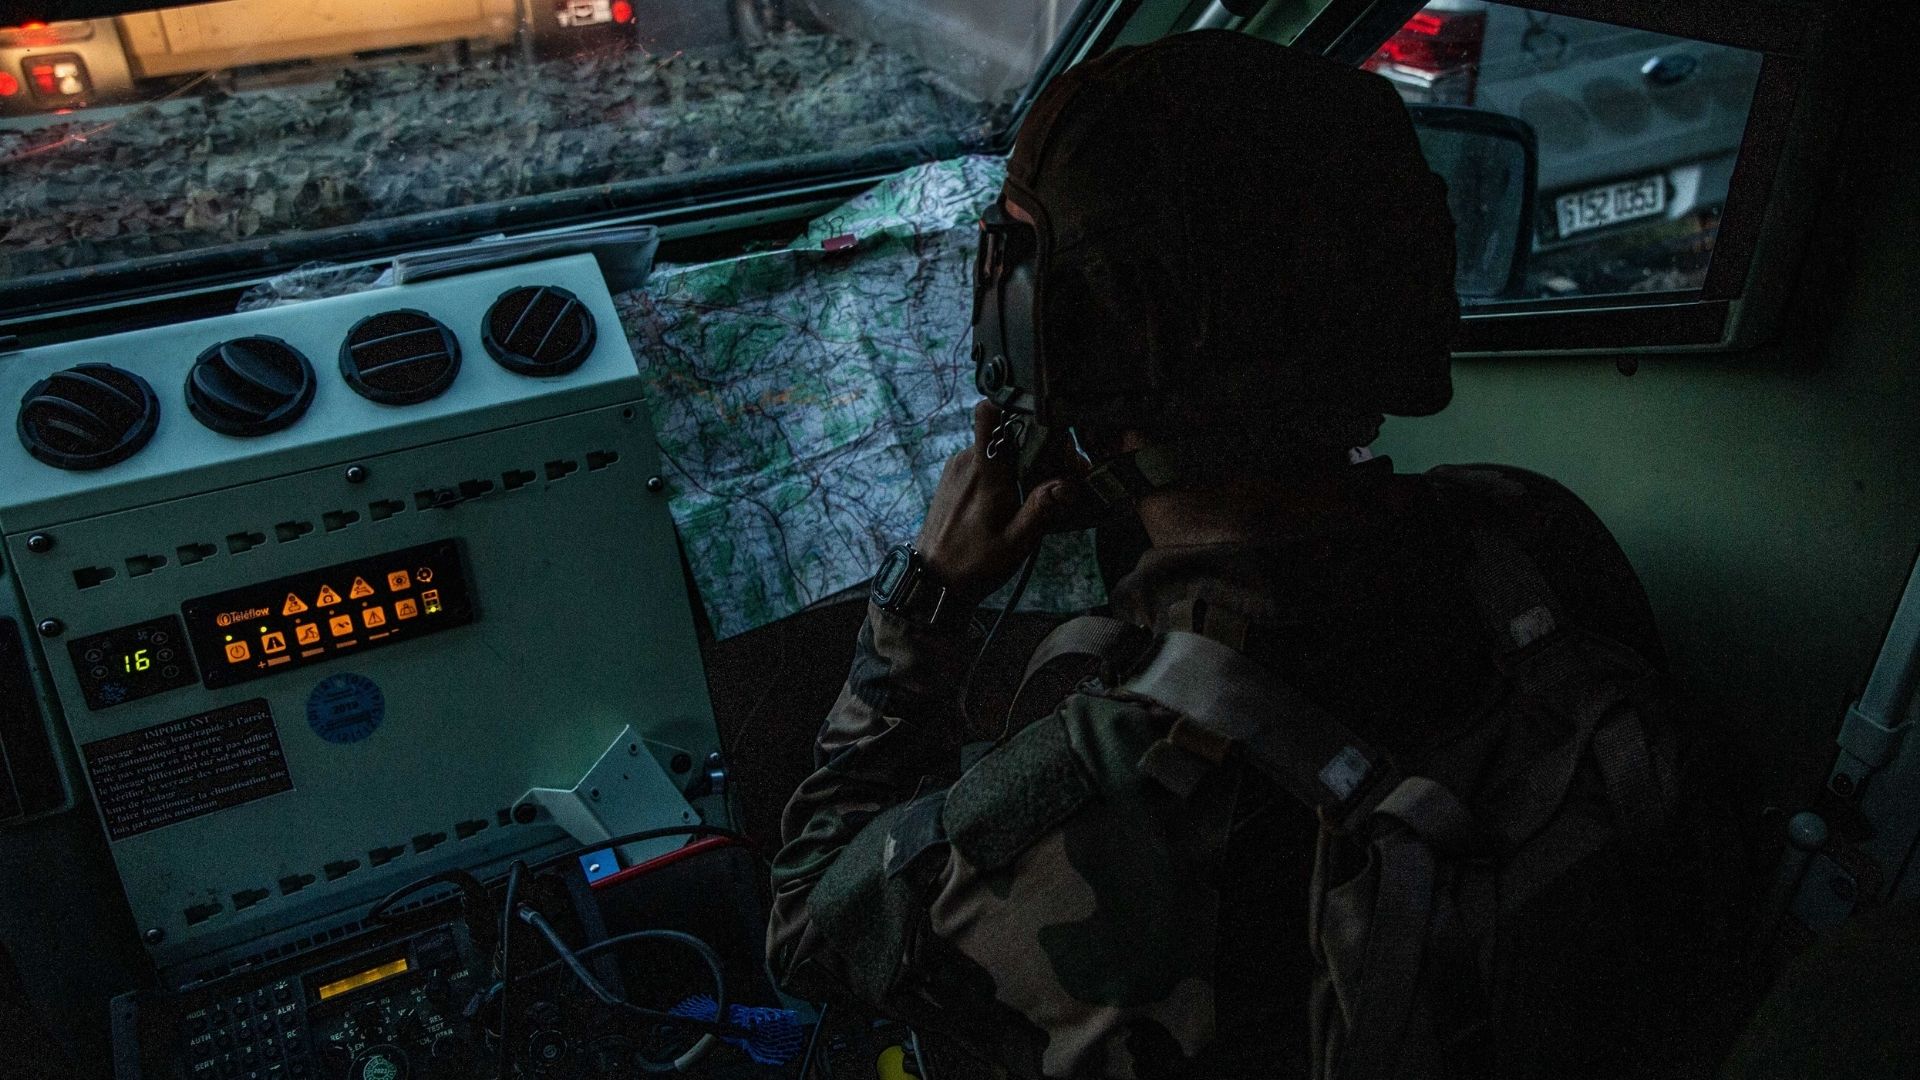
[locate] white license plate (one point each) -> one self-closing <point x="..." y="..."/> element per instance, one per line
<point x="572" y="13"/>
<point x="1610" y="204"/>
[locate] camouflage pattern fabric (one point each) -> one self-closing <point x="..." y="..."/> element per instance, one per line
<point x="1077" y="892"/>
<point x="1055" y="910"/>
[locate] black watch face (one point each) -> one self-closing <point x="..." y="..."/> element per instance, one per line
<point x="886" y="583"/>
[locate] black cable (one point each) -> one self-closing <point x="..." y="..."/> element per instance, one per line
<point x="1019" y="589"/>
<point x="574" y="961"/>
<point x="506" y="967"/>
<point x="539" y="922"/>
<point x="471" y="890"/>
<point x="813" y="1042"/>
<point x="919" y="1058"/>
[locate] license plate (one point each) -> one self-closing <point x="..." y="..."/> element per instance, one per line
<point x="572" y="13"/>
<point x="1610" y="204"/>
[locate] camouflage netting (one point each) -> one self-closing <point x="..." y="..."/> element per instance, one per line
<point x="199" y="171"/>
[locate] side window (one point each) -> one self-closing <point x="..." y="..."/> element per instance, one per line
<point x="1637" y="133"/>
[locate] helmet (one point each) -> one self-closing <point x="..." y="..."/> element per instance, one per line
<point x="1214" y="235"/>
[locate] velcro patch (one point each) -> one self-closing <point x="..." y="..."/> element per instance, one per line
<point x="915" y="831"/>
<point x="868" y="916"/>
<point x="1016" y="795"/>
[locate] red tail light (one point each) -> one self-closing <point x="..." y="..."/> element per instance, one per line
<point x="622" y="11"/>
<point x="9" y="85"/>
<point x="57" y="75"/>
<point x="1435" y="56"/>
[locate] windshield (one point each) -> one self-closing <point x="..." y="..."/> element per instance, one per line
<point x="253" y="134"/>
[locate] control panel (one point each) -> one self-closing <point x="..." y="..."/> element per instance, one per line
<point x="128" y="663"/>
<point x="391" y="1007"/>
<point x="324" y="594"/>
<point x="422" y="994"/>
<point x="309" y="618"/>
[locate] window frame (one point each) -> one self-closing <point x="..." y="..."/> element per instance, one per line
<point x="1762" y="225"/>
<point x="45" y="307"/>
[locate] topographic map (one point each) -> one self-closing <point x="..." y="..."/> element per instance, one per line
<point x="806" y="399"/>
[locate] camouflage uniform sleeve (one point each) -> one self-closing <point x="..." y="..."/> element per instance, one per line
<point x="1054" y="908"/>
<point x="891" y="726"/>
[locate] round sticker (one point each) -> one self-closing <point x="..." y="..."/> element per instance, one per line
<point x="345" y="708"/>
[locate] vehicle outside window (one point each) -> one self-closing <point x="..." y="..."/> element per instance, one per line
<point x="1637" y="134"/>
<point x="272" y="132"/>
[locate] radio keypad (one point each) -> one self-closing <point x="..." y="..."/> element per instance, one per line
<point x="251" y="1036"/>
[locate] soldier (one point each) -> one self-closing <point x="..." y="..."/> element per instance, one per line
<point x="1220" y="263"/>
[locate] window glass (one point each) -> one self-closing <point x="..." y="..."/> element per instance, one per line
<point x="185" y="130"/>
<point x="1637" y="135"/>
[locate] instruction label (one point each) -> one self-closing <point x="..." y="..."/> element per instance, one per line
<point x="187" y="768"/>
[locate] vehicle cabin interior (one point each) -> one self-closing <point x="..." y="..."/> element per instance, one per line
<point x="455" y="440"/>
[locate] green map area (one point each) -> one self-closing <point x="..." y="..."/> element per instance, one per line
<point x="806" y="399"/>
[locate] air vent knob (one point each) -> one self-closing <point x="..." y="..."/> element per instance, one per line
<point x="399" y="357"/>
<point x="538" y="330"/>
<point x="250" y="386"/>
<point x="88" y="416"/>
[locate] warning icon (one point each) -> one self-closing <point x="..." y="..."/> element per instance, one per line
<point x="360" y="589"/>
<point x="327" y="596"/>
<point x="293" y="606"/>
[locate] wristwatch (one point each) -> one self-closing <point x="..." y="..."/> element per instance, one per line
<point x="906" y="587"/>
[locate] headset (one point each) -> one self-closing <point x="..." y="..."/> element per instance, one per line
<point x="1009" y="356"/>
<point x="1037" y="407"/>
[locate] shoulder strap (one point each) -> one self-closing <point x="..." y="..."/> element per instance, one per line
<point x="1512" y="595"/>
<point x="1230" y="701"/>
<point x="1089" y="637"/>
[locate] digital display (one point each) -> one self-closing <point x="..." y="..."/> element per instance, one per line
<point x="302" y="619"/>
<point x="132" y="662"/>
<point x="365" y="978"/>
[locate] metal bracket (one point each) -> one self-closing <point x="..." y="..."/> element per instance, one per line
<point x="626" y="791"/>
<point x="1869" y="743"/>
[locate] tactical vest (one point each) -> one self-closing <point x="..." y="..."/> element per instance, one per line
<point x="1426" y="871"/>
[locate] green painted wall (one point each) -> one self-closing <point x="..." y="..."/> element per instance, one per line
<point x="1770" y="500"/>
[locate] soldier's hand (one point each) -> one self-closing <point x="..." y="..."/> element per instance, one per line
<point x="977" y="530"/>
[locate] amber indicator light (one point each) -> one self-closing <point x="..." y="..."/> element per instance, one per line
<point x="310" y="617"/>
<point x="366" y="978"/>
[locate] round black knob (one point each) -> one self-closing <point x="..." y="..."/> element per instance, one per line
<point x="547" y="1048"/>
<point x="993" y="376"/>
<point x="250" y="386"/>
<point x="538" y="330"/>
<point x="381" y="1061"/>
<point x="611" y="1055"/>
<point x="88" y="417"/>
<point x="399" y="357"/>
